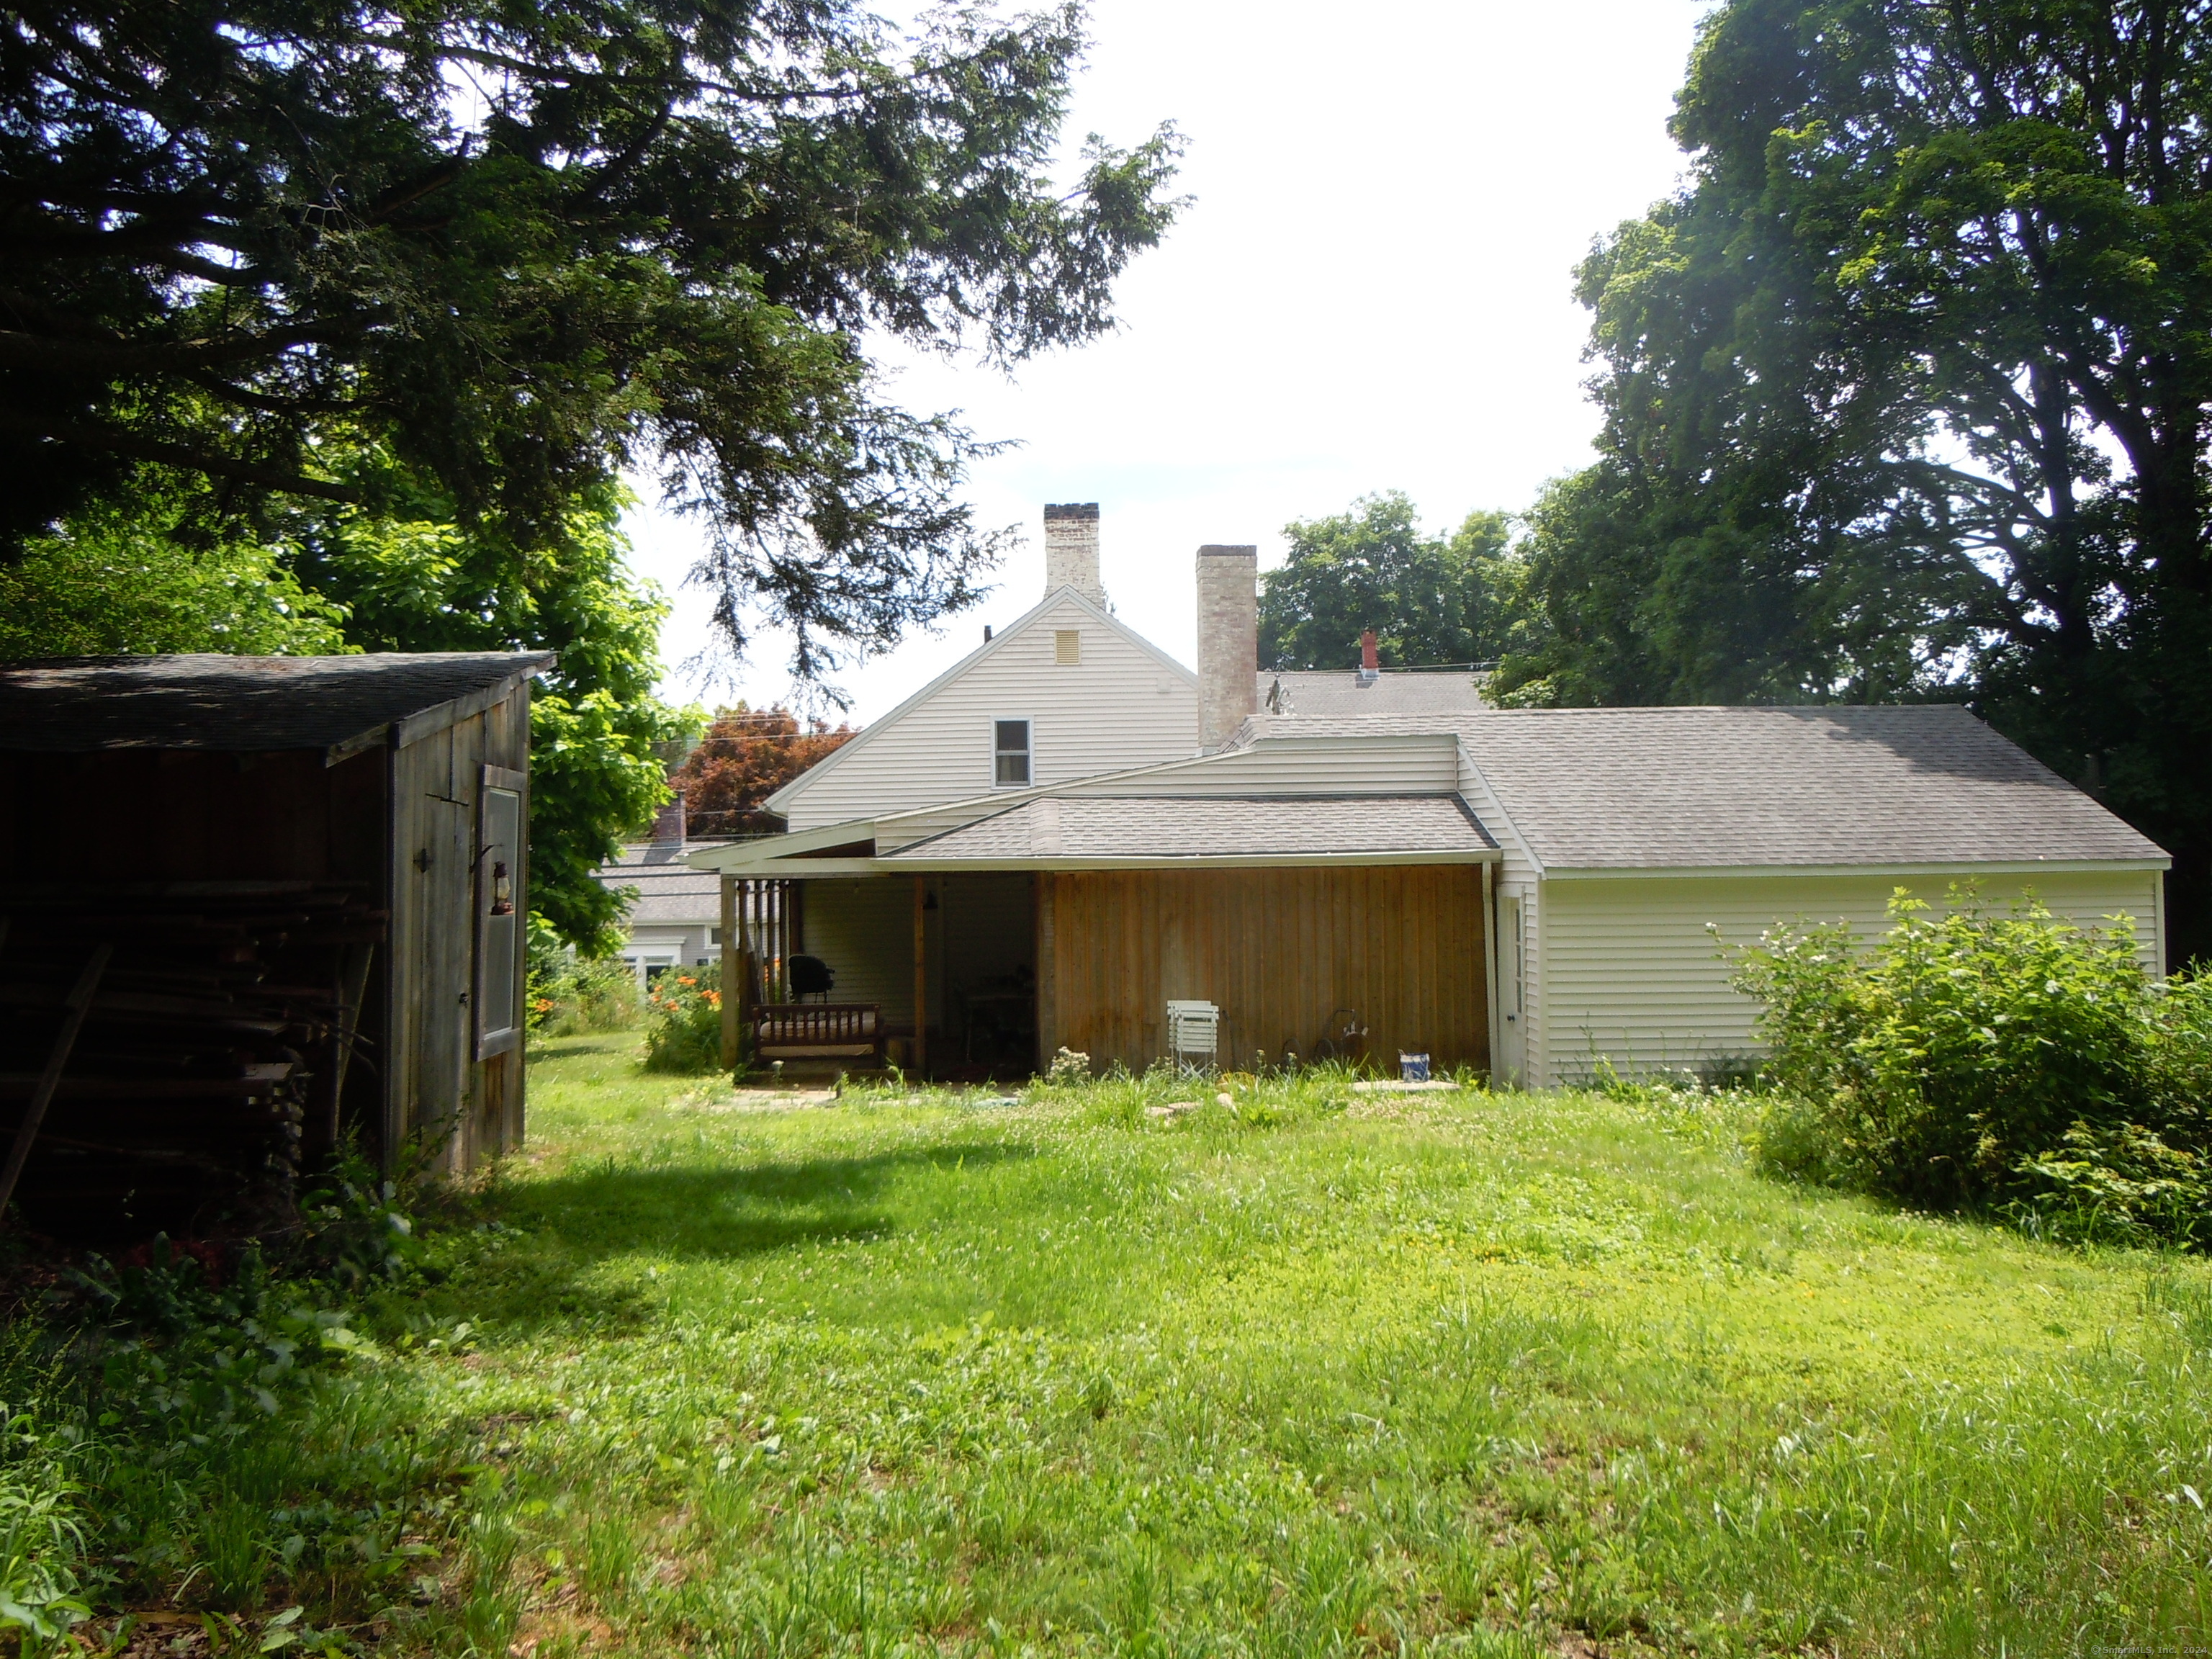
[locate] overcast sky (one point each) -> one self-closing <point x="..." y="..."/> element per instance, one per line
<point x="1371" y="291"/>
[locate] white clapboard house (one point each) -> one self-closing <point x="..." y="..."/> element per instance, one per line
<point x="1069" y="831"/>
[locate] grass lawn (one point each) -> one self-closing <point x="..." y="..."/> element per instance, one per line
<point x="1531" y="1373"/>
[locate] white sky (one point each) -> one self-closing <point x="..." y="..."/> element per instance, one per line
<point x="1371" y="291"/>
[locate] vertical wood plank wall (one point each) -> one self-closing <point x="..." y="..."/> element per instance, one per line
<point x="461" y="1107"/>
<point x="1278" y="951"/>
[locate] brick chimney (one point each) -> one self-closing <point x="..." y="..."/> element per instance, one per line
<point x="1071" y="549"/>
<point x="668" y="825"/>
<point x="1370" y="666"/>
<point x="1228" y="641"/>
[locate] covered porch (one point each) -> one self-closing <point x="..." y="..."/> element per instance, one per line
<point x="1356" y="929"/>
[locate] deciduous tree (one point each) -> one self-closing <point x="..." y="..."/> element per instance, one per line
<point x="1430" y="599"/>
<point x="1906" y="392"/>
<point x="746" y="756"/>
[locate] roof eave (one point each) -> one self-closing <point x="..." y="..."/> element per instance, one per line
<point x="894" y="864"/>
<point x="1931" y="867"/>
<point x="430" y="721"/>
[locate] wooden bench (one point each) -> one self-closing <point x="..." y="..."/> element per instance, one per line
<point x="817" y="1030"/>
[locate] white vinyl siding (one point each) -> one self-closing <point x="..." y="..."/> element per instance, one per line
<point x="1340" y="766"/>
<point x="1630" y="975"/>
<point x="1122" y="705"/>
<point x="1520" y="880"/>
<point x="864" y="930"/>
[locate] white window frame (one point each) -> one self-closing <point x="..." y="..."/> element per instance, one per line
<point x="1029" y="732"/>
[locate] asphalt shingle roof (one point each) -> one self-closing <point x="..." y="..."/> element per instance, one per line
<point x="245" y="704"/>
<point x="1322" y="694"/>
<point x="1835" y="785"/>
<point x="1127" y="827"/>
<point x="670" y="892"/>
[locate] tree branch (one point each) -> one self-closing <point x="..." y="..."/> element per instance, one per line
<point x="177" y="455"/>
<point x="37" y="351"/>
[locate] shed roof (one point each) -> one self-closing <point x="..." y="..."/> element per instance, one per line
<point x="1080" y="827"/>
<point x="1826" y="785"/>
<point x="1318" y="693"/>
<point x="71" y="705"/>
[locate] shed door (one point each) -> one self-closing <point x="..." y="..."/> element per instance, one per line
<point x="439" y="978"/>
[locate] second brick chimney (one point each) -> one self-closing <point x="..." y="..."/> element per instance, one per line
<point x="1071" y="549"/>
<point x="1228" y="641"/>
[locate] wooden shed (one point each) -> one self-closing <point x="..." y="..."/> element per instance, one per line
<point x="249" y="905"/>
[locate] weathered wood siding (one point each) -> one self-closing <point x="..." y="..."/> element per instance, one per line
<point x="1632" y="978"/>
<point x="1122" y="705"/>
<point x="1278" y="951"/>
<point x="441" y="1094"/>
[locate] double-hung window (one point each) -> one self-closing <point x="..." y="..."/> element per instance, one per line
<point x="1010" y="754"/>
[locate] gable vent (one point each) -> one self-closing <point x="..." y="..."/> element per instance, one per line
<point x="1067" y="646"/>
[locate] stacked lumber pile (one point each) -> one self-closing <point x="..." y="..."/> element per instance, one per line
<point x="170" y="1052"/>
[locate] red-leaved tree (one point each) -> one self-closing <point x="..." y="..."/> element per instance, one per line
<point x="748" y="755"/>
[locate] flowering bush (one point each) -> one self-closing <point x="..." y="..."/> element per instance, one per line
<point x="2008" y="1061"/>
<point x="570" y="995"/>
<point x="684" y="1006"/>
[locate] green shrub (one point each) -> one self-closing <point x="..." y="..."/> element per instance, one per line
<point x="686" y="1008"/>
<point x="572" y="995"/>
<point x="1981" y="1060"/>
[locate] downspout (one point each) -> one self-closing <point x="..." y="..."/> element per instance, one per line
<point x="1490" y="964"/>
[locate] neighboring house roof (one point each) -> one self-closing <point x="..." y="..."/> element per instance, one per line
<point x="670" y="892"/>
<point x="1151" y="829"/>
<point x="1310" y="693"/>
<point x="1831" y="785"/>
<point x="850" y="753"/>
<point x="70" y="705"/>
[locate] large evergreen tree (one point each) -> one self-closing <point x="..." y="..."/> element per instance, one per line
<point x="518" y="247"/>
<point x="1906" y="392"/>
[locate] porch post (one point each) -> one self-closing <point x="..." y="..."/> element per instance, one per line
<point x="1048" y="974"/>
<point x="733" y="997"/>
<point x="920" y="980"/>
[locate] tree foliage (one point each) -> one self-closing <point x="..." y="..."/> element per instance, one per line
<point x="418" y="583"/>
<point x="1985" y="1058"/>
<point x="746" y="756"/>
<point x="109" y="585"/>
<point x="1905" y="393"/>
<point x="1430" y="600"/>
<point x="515" y="248"/>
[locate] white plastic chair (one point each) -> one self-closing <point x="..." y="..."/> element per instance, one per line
<point x="1193" y="1033"/>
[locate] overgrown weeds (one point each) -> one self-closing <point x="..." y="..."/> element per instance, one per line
<point x="216" y="1427"/>
<point x="573" y="995"/>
